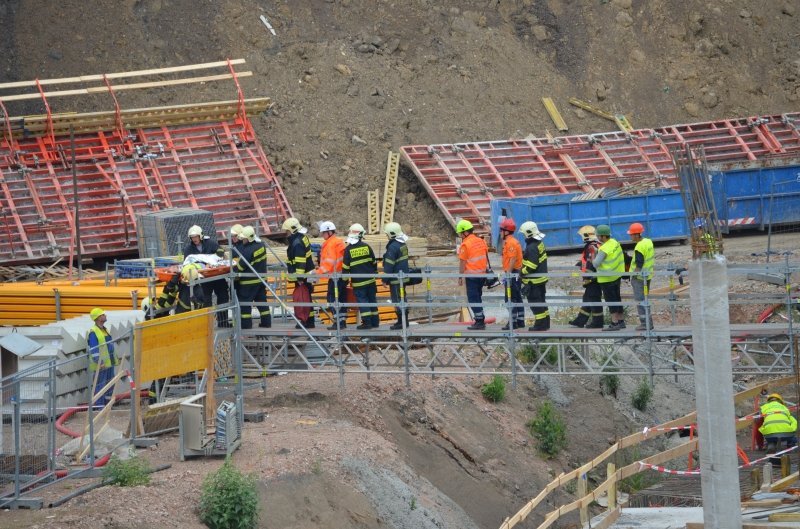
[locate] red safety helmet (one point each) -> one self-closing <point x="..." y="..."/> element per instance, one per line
<point x="508" y="224"/>
<point x="635" y="228"/>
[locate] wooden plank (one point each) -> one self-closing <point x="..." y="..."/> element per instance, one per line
<point x="122" y="75"/>
<point x="784" y="517"/>
<point x="555" y="115"/>
<point x="784" y="483"/>
<point x="610" y="518"/>
<point x="373" y="222"/>
<point x="132" y="86"/>
<point x="390" y="187"/>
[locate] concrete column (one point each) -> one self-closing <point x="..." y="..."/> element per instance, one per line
<point x="713" y="377"/>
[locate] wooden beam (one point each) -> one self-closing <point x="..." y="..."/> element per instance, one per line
<point x="784" y="517"/>
<point x="784" y="483"/>
<point x="132" y="86"/>
<point x="121" y="75"/>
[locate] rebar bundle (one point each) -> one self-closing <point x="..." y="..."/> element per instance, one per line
<point x="698" y="201"/>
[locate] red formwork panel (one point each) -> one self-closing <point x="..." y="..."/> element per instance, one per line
<point x="217" y="166"/>
<point x="463" y="178"/>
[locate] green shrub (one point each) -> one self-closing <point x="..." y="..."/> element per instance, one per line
<point x="549" y="428"/>
<point x="126" y="472"/>
<point x="641" y="397"/>
<point x="229" y="499"/>
<point x="494" y="391"/>
<point x="609" y="384"/>
<point x="529" y="354"/>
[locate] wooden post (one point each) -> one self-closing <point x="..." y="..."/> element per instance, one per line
<point x="755" y="478"/>
<point x="611" y="472"/>
<point x="786" y="465"/>
<point x="582" y="492"/>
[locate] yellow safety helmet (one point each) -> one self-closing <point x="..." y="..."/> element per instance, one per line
<point x="356" y="230"/>
<point x="292" y="225"/>
<point x="393" y="229"/>
<point x="195" y="231"/>
<point x="463" y="225"/>
<point x="189" y="273"/>
<point x="587" y="233"/>
<point x="96" y="313"/>
<point x="775" y="396"/>
<point x="248" y="233"/>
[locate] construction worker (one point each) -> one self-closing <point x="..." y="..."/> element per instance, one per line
<point x="610" y="265"/>
<point x="330" y="262"/>
<point x="101" y="356"/>
<point x="644" y="256"/>
<point x="512" y="264"/>
<point x="251" y="289"/>
<point x="591" y="288"/>
<point x="395" y="260"/>
<point x="473" y="260"/>
<point x="779" y="424"/>
<point x="190" y="295"/>
<point x="203" y="244"/>
<point x="534" y="261"/>
<point x="360" y="259"/>
<point x="703" y="243"/>
<point x="300" y="261"/>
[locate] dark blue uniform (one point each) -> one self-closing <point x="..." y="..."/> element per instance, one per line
<point x="395" y="260"/>
<point x="219" y="286"/>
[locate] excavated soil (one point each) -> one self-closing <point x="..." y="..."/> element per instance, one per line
<point x="352" y="79"/>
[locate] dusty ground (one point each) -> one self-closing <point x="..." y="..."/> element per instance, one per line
<point x="352" y="79"/>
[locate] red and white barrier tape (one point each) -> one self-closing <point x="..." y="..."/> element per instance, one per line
<point x="665" y="470"/>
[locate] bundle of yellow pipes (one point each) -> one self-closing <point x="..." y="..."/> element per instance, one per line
<point x="32" y="304"/>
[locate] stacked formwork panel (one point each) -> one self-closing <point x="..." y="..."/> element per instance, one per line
<point x="128" y="162"/>
<point x="463" y="178"/>
<point x="203" y="166"/>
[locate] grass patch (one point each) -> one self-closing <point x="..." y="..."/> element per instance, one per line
<point x="641" y="397"/>
<point x="127" y="472"/>
<point x="549" y="429"/>
<point x="530" y="354"/>
<point x="494" y="391"/>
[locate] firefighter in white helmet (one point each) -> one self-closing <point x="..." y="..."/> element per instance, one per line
<point x="360" y="259"/>
<point x="395" y="260"/>
<point x="534" y="264"/>
<point x="300" y="263"/>
<point x="203" y="244"/>
<point x="250" y="288"/>
<point x="592" y="295"/>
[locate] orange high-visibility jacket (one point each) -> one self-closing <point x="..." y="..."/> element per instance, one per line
<point x="512" y="254"/>
<point x="473" y="252"/>
<point x="330" y="256"/>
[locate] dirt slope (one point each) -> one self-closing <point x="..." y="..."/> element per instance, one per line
<point x="352" y="79"/>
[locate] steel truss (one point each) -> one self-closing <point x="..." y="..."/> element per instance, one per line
<point x="446" y="349"/>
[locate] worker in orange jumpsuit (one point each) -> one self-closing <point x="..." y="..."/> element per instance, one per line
<point x="512" y="263"/>
<point x="473" y="262"/>
<point x="330" y="262"/>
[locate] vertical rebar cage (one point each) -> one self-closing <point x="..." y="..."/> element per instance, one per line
<point x="698" y="200"/>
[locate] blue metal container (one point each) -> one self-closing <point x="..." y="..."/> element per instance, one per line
<point x="757" y="195"/>
<point x="559" y="217"/>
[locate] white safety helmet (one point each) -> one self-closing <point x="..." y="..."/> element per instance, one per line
<point x="326" y="225"/>
<point x="236" y="230"/>
<point x="356" y="230"/>
<point x="145" y="304"/>
<point x="292" y="225"/>
<point x="195" y="231"/>
<point x="530" y="230"/>
<point x="393" y="229"/>
<point x="248" y="233"/>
